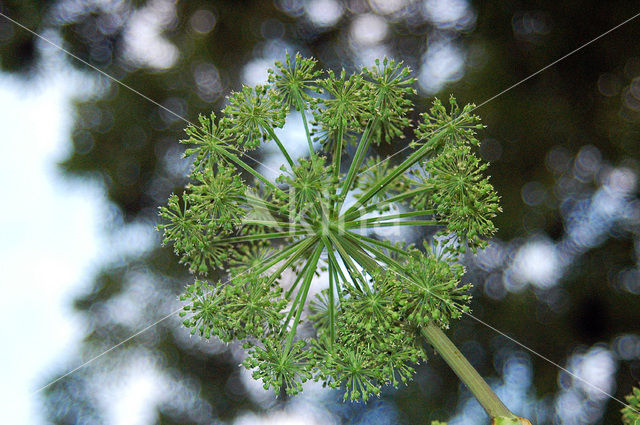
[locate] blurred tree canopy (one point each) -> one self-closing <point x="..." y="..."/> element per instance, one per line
<point x="559" y="143"/>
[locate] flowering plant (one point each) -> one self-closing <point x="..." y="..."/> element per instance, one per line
<point x="382" y="297"/>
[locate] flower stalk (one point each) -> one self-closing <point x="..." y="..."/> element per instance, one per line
<point x="467" y="374"/>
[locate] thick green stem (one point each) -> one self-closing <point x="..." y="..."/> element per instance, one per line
<point x="379" y="256"/>
<point x="276" y="258"/>
<point x="400" y="215"/>
<point x="332" y="306"/>
<point x="365" y="260"/>
<point x="295" y="302"/>
<point x="280" y="224"/>
<point x="336" y="266"/>
<point x="365" y="140"/>
<point x="299" y="277"/>
<point x="286" y="264"/>
<point x="382" y="244"/>
<point x="392" y="216"/>
<point x="467" y="374"/>
<point x="258" y="202"/>
<point x="259" y="206"/>
<point x="356" y="276"/>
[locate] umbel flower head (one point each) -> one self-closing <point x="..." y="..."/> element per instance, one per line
<point x="313" y="222"/>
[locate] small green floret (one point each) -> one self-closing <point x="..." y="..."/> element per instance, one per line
<point x="245" y="307"/>
<point x="460" y="124"/>
<point x="631" y="413"/>
<point x="390" y="84"/>
<point x="294" y="79"/>
<point x="434" y="293"/>
<point x="278" y="366"/>
<point x="254" y="113"/>
<point x="462" y="196"/>
<point x="209" y="143"/>
<point x="213" y="197"/>
<point x="308" y="184"/>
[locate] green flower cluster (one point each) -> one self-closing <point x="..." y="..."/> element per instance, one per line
<point x="274" y="239"/>
<point x="245" y="307"/>
<point x="631" y="413"/>
<point x="370" y="343"/>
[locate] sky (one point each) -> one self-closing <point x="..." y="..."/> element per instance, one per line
<point x="49" y="239"/>
<point x="55" y="233"/>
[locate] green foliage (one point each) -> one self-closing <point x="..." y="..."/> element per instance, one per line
<point x="378" y="293"/>
<point x="631" y="413"/>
